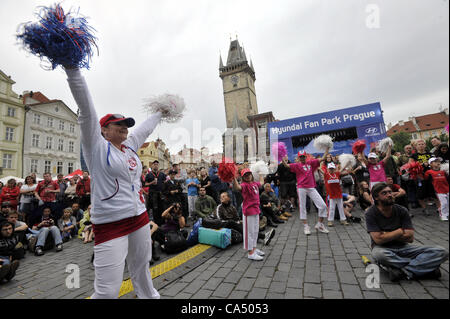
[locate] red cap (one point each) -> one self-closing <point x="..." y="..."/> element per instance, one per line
<point x="301" y="153"/>
<point x="116" y="118"/>
<point x="245" y="171"/>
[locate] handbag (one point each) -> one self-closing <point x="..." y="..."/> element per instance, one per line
<point x="347" y="180"/>
<point x="174" y="242"/>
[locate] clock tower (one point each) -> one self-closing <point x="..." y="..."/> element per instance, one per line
<point x="238" y="78"/>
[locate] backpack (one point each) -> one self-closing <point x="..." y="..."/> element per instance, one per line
<point x="212" y="223"/>
<point x="236" y="237"/>
<point x="174" y="242"/>
<point x="193" y="235"/>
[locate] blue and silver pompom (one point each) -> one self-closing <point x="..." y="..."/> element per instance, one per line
<point x="63" y="39"/>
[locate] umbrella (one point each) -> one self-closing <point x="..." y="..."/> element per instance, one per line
<point x="78" y="172"/>
<point x="5" y="180"/>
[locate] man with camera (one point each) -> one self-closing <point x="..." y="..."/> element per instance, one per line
<point x="45" y="227"/>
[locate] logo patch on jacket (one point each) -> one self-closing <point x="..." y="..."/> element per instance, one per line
<point x="132" y="163"/>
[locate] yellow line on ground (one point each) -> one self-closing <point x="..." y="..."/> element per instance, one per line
<point x="166" y="266"/>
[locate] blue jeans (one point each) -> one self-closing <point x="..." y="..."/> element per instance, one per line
<point x="43" y="233"/>
<point x="414" y="259"/>
<point x="6" y="260"/>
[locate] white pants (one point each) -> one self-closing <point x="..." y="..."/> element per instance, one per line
<point x="332" y="208"/>
<point x="191" y="205"/>
<point x="109" y="263"/>
<point x="443" y="198"/>
<point x="250" y="231"/>
<point x="315" y="197"/>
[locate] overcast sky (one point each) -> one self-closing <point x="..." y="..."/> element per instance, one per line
<point x="309" y="57"/>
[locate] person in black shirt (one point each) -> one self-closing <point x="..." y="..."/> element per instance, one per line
<point x="288" y="184"/>
<point x="392" y="234"/>
<point x="155" y="182"/>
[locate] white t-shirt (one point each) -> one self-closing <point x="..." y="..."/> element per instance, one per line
<point x="26" y="198"/>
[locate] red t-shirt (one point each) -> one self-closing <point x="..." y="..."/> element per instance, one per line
<point x="47" y="197"/>
<point x="439" y="180"/>
<point x="250" y="194"/>
<point x="83" y="187"/>
<point x="333" y="185"/>
<point x="9" y="194"/>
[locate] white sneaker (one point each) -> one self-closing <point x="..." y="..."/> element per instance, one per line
<point x="255" y="256"/>
<point x="321" y="227"/>
<point x="444" y="218"/>
<point x="306" y="230"/>
<point x="260" y="252"/>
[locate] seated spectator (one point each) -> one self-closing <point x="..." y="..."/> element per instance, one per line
<point x="4" y="212"/>
<point x="398" y="193"/>
<point x="349" y="204"/>
<point x="392" y="234"/>
<point x="45" y="227"/>
<point x="228" y="214"/>
<point x="78" y="213"/>
<point x="10" y="194"/>
<point x="86" y="232"/>
<point x="270" y="206"/>
<point x="173" y="221"/>
<point x="20" y="228"/>
<point x="67" y="224"/>
<point x="205" y="205"/>
<point x="365" y="199"/>
<point x="9" y="243"/>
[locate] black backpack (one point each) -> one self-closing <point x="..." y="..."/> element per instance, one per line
<point x="175" y="242"/>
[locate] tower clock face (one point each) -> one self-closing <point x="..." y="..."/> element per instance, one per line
<point x="235" y="79"/>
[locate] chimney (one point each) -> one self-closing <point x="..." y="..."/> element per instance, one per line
<point x="389" y="125"/>
<point x="401" y="123"/>
<point x="446" y="111"/>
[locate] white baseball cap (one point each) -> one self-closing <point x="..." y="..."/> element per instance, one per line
<point x="431" y="160"/>
<point x="372" y="155"/>
<point x="331" y="165"/>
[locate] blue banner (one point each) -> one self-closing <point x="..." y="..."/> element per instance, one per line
<point x="335" y="120"/>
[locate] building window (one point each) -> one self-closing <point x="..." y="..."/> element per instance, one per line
<point x="35" y="140"/>
<point x="11" y="112"/>
<point x="48" y="145"/>
<point x="71" y="143"/>
<point x="59" y="168"/>
<point x="72" y="128"/>
<point x="69" y="168"/>
<point x="34" y="165"/>
<point x="50" y="121"/>
<point x="61" y="125"/>
<point x="9" y="136"/>
<point x="7" y="161"/>
<point x="47" y="166"/>
<point x="60" y="145"/>
<point x="426" y="134"/>
<point x="37" y="118"/>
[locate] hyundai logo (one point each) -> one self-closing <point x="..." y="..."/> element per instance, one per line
<point x="371" y="130"/>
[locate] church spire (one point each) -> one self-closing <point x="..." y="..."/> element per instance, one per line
<point x="220" y="62"/>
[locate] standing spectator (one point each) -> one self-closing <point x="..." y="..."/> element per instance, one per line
<point x="10" y="194"/>
<point x="172" y="191"/>
<point x="404" y="158"/>
<point x="1" y="187"/>
<point x="155" y="181"/>
<point x="67" y="224"/>
<point x="440" y="184"/>
<point x="435" y="141"/>
<point x="360" y="169"/>
<point x="391" y="168"/>
<point x="8" y="243"/>
<point x="287" y="184"/>
<point x="28" y="199"/>
<point x="192" y="184"/>
<point x="84" y="190"/>
<point x="205" y="181"/>
<point x="62" y="189"/>
<point x="46" y="193"/>
<point x="205" y="205"/>
<point x="376" y="168"/>
<point x="442" y="152"/>
<point x="392" y="234"/>
<point x="45" y="227"/>
<point x="306" y="188"/>
<point x="70" y="194"/>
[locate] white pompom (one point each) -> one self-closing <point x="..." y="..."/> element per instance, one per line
<point x="323" y="143"/>
<point x="273" y="167"/>
<point x="347" y="160"/>
<point x="259" y="168"/>
<point x="444" y="167"/>
<point x="384" y="144"/>
<point x="171" y="106"/>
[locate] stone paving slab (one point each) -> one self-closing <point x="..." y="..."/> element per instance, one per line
<point x="296" y="266"/>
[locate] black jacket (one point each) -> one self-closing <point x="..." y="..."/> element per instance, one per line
<point x="7" y="244"/>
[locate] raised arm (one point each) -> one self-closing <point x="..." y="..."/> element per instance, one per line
<point x="388" y="154"/>
<point x="236" y="185"/>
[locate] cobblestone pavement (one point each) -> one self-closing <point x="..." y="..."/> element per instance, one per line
<point x="295" y="267"/>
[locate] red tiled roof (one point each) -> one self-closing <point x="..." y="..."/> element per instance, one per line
<point x="425" y="123"/>
<point x="38" y="96"/>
